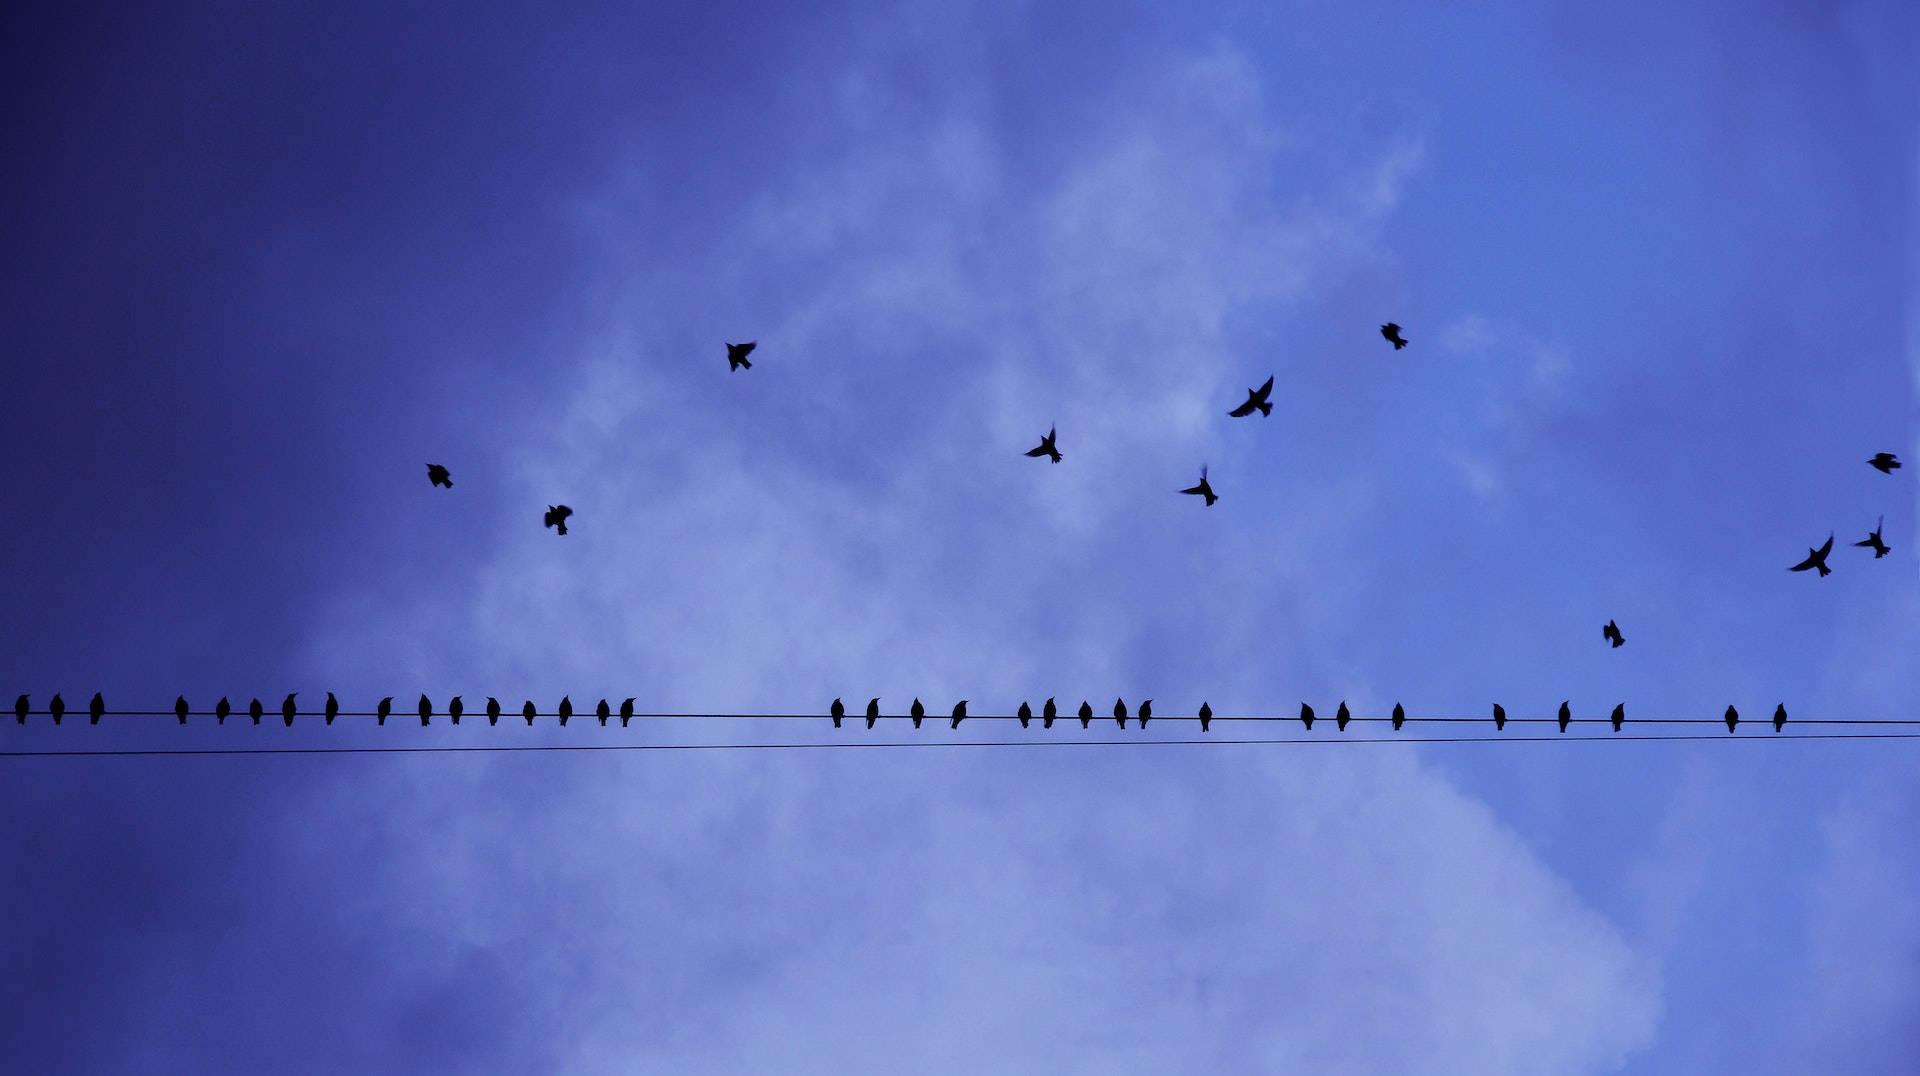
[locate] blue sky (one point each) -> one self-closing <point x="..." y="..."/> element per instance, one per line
<point x="1657" y="264"/>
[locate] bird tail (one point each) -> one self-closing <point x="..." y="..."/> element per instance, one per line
<point x="1266" y="408"/>
<point x="1825" y="571"/>
<point x="1398" y="344"/>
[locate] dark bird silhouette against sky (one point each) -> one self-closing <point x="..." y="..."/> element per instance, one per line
<point x="837" y="711"/>
<point x="557" y="517"/>
<point x="1884" y="462"/>
<point x="873" y="712"/>
<point x="1206" y="716"/>
<point x="1204" y="489"/>
<point x="256" y="711"/>
<point x="220" y="710"/>
<point x="959" y="713"/>
<point x="385" y="708"/>
<point x="1779" y="717"/>
<point x="1816" y="558"/>
<point x="603" y="711"/>
<point x="1306" y="716"/>
<point x="1611" y="633"/>
<point x="1046" y="448"/>
<point x="1146" y="712"/>
<point x="1086" y="713"/>
<point x="1256" y="401"/>
<point x="57" y="706"/>
<point x="916" y="711"/>
<point x="1399" y="717"/>
<point x="1120" y="712"/>
<point x="455" y="708"/>
<point x="287" y="709"/>
<point x="439" y="476"/>
<point x="493" y="710"/>
<point x="1391" y="330"/>
<point x="95" y="708"/>
<point x="1566" y="715"/>
<point x="1499" y="717"/>
<point x="626" y="712"/>
<point x="528" y="712"/>
<point x="333" y="707"/>
<point x="180" y="708"/>
<point x="1051" y="712"/>
<point x="20" y="708"/>
<point x="1733" y="718"/>
<point x="566" y="709"/>
<point x="737" y="356"/>
<point x="1026" y="714"/>
<point x="1619" y="715"/>
<point x="1873" y="542"/>
<point x="426" y="709"/>
<point x="1342" y="716"/>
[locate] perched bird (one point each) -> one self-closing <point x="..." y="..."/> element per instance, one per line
<point x="1733" y="718"/>
<point x="426" y="709"/>
<point x="287" y="710"/>
<point x="1499" y="717"/>
<point x="1566" y="715"/>
<point x="1048" y="714"/>
<point x="493" y="710"/>
<point x="439" y="476"/>
<point x="180" y="708"/>
<point x="1342" y="716"/>
<point x="1026" y="714"/>
<point x="385" y="708"/>
<point x="95" y="708"/>
<point x="626" y="712"/>
<point x="57" y="706"/>
<point x="1206" y="716"/>
<point x="603" y="711"/>
<point x="566" y="709"/>
<point x="1086" y="714"/>
<point x="20" y="708"/>
<point x="1816" y="558"/>
<point x="1204" y="489"/>
<point x="1392" y="332"/>
<point x="1619" y="715"/>
<point x="1256" y="401"/>
<point x="1047" y="448"/>
<point x="557" y="516"/>
<point x="1120" y="712"/>
<point x="1306" y="716"/>
<point x="838" y="710"/>
<point x="737" y="356"/>
<point x="873" y="711"/>
<point x="1146" y="712"/>
<point x="1612" y="633"/>
<point x="1399" y="717"/>
<point x="255" y="710"/>
<point x="221" y="709"/>
<point x="1779" y="717"/>
<point x="916" y="711"/>
<point x="1873" y="542"/>
<point x="333" y="707"/>
<point x="1884" y="462"/>
<point x="455" y="708"/>
<point x="528" y="712"/>
<point x="959" y="713"/>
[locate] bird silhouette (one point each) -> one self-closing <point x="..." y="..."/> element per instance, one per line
<point x="1391" y="331"/>
<point x="426" y="709"/>
<point x="20" y="708"/>
<point x="566" y="709"/>
<point x="603" y="711"/>
<point x="1120" y="712"/>
<point x="1873" y="542"/>
<point x="1499" y="717"/>
<point x="1566" y="715"/>
<point x="1779" y="717"/>
<point x="333" y="707"/>
<point x="1048" y="714"/>
<point x="528" y="712"/>
<point x="1047" y="448"/>
<point x="1025" y="715"/>
<point x="1816" y="558"/>
<point x="959" y="713"/>
<point x="385" y="708"/>
<point x="626" y="712"/>
<point x="1086" y="714"/>
<point x="557" y="517"/>
<point x="220" y="710"/>
<point x="287" y="709"/>
<point x="1619" y="715"/>
<point x="1733" y="718"/>
<point x="455" y="708"/>
<point x="57" y="706"/>
<point x="180" y="708"/>
<point x="873" y="711"/>
<point x="1256" y="401"/>
<point x="837" y="711"/>
<point x="916" y="711"/>
<point x="439" y="476"/>
<point x="1884" y="462"/>
<point x="95" y="708"/>
<point x="1399" y="717"/>
<point x="1612" y="633"/>
<point x="1146" y="712"/>
<point x="1306" y="716"/>
<point x="255" y="711"/>
<point x="1204" y="489"/>
<point x="493" y="710"/>
<point x="1206" y="716"/>
<point x="1342" y="716"/>
<point x="737" y="356"/>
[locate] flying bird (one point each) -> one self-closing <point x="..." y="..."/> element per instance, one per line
<point x="1779" y="717"/>
<point x="566" y="709"/>
<point x="287" y="709"/>
<point x="873" y="712"/>
<point x="1204" y="489"/>
<point x="1499" y="717"/>
<point x="603" y="711"/>
<point x="737" y="356"/>
<point x="1086" y="714"/>
<point x="1884" y="462"/>
<point x="1306" y="716"/>
<point x="1733" y="718"/>
<point x="426" y="709"/>
<point x="1619" y="715"/>
<point x="1399" y="717"/>
<point x="386" y="707"/>
<point x="221" y="709"/>
<point x="1873" y="542"/>
<point x="57" y="706"/>
<point x="20" y="708"/>
<point x="493" y="710"/>
<point x="455" y="708"/>
<point x="1612" y="634"/>
<point x="1256" y="401"/>
<point x="179" y="708"/>
<point x="1566" y="715"/>
<point x="1026" y="714"/>
<point x="916" y="711"/>
<point x="1048" y="714"/>
<point x="557" y="516"/>
<point x="528" y="712"/>
<point x="439" y="476"/>
<point x="1342" y="716"/>
<point x="1206" y="716"/>
<point x="1047" y="448"/>
<point x="333" y="707"/>
<point x="626" y="712"/>
<point x="1120" y="712"/>
<point x="95" y="708"/>
<point x="837" y="711"/>
<point x="1146" y="712"/>
<point x="959" y="713"/>
<point x="1816" y="558"/>
<point x="1391" y="331"/>
<point x="255" y="710"/>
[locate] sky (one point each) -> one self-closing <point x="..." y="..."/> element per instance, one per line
<point x="1657" y="266"/>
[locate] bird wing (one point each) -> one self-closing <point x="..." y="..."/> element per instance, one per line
<point x="1263" y="391"/>
<point x="1244" y="409"/>
<point x="1805" y="564"/>
<point x="1041" y="451"/>
<point x="1828" y="548"/>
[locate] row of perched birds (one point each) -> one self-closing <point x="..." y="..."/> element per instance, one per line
<point x="1049" y="712"/>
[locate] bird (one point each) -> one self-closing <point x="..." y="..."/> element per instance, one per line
<point x="528" y="712"/>
<point x="1206" y="716"/>
<point x="439" y="476"/>
<point x="1884" y="462"/>
<point x="1146" y="711"/>
<point x="1026" y="714"/>
<point x="1873" y="542"/>
<point x="1204" y="489"/>
<point x="1619" y="715"/>
<point x="1779" y="717"/>
<point x="1733" y="718"/>
<point x="1047" y="448"/>
<point x="917" y="711"/>
<point x="603" y="711"/>
<point x="57" y="706"/>
<point x="1342" y="716"/>
<point x="1566" y="715"/>
<point x="287" y="710"/>
<point x="1391" y="331"/>
<point x="1399" y="717"/>
<point x="959" y="713"/>
<point x="838" y="710"/>
<point x="557" y="517"/>
<point x="221" y="709"/>
<point x="385" y="708"/>
<point x="1047" y="715"/>
<point x="493" y="710"/>
<point x="426" y="709"/>
<point x="333" y="707"/>
<point x="1612" y="633"/>
<point x="566" y="709"/>
<point x="1499" y="717"/>
<point x="1120" y="712"/>
<point x="20" y="708"/>
<point x="1086" y="714"/>
<point x="626" y="712"/>
<point x="1816" y="558"/>
<point x="180" y="708"/>
<point x="873" y="711"/>
<point x="255" y="710"/>
<point x="95" y="708"/>
<point x="455" y="708"/>
<point x="1306" y="716"/>
<point x="1256" y="401"/>
<point x="737" y="356"/>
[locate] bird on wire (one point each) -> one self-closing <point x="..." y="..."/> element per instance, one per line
<point x="1391" y="331"/>
<point x="180" y="708"/>
<point x="1399" y="717"/>
<point x="385" y="708"/>
<point x="1779" y="717"/>
<point x="1046" y="448"/>
<point x="837" y="711"/>
<point x="1206" y="716"/>
<point x="1146" y="712"/>
<point x="1204" y="489"/>
<point x="1816" y="558"/>
<point x="493" y="710"/>
<point x="1306" y="716"/>
<point x="455" y="708"/>
<point x="916" y="711"/>
<point x="1566" y="715"/>
<point x="603" y="711"/>
<point x="333" y="707"/>
<point x="1342" y="716"/>
<point x="221" y="709"/>
<point x="566" y="709"/>
<point x="1499" y="717"/>
<point x="1733" y="718"/>
<point x="557" y="517"/>
<point x="57" y="706"/>
<point x="959" y="713"/>
<point x="528" y="712"/>
<point x="1051" y="712"/>
<point x="20" y="708"/>
<point x="1619" y="715"/>
<point x="1884" y="462"/>
<point x="1026" y="714"/>
<point x="439" y="476"/>
<point x="1873" y="542"/>
<point x="737" y="356"/>
<point x="1256" y="401"/>
<point x="95" y="708"/>
<point x="873" y="711"/>
<point x="287" y="709"/>
<point x="1120" y="712"/>
<point x="626" y="712"/>
<point x="1086" y="713"/>
<point x="1611" y="633"/>
<point x="426" y="710"/>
